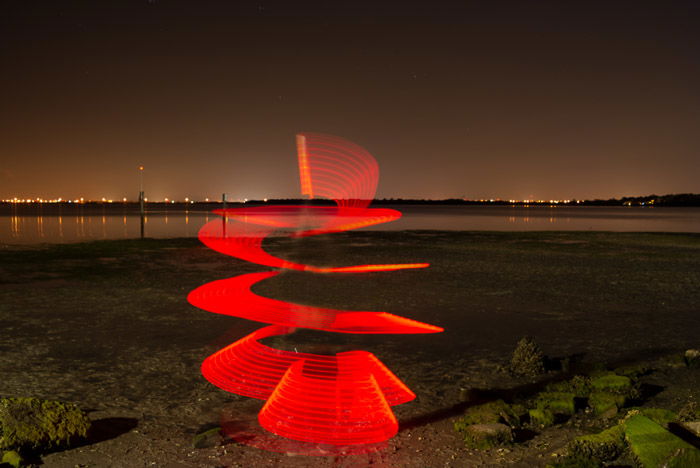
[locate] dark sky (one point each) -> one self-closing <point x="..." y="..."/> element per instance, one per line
<point x="511" y="99"/>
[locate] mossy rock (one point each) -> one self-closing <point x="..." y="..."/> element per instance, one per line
<point x="541" y="417"/>
<point x="559" y="403"/>
<point x="604" y="446"/>
<point x="612" y="383"/>
<point x="653" y="446"/>
<point x="692" y="358"/>
<point x="579" y="385"/>
<point x="527" y="359"/>
<point x="606" y="403"/>
<point x="516" y="416"/>
<point x="492" y="412"/>
<point x="12" y="458"/>
<point x="659" y="415"/>
<point x="486" y="436"/>
<point x="39" y="425"/>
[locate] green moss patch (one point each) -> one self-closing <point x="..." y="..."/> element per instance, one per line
<point x="12" y="458"/>
<point x="39" y="425"/>
<point x="490" y="413"/>
<point x="606" y="403"/>
<point x="489" y="424"/>
<point x="604" y="446"/>
<point x="654" y="446"/>
<point x="541" y="417"/>
<point x="612" y="383"/>
<point x="659" y="415"/>
<point x="559" y="403"/>
<point x="579" y="385"/>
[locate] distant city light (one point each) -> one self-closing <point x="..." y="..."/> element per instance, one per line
<point x="512" y="201"/>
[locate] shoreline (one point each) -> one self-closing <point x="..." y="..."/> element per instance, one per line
<point x="181" y="208"/>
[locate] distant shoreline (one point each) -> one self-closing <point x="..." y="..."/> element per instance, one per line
<point x="131" y="207"/>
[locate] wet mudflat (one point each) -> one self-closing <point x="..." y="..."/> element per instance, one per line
<point x="106" y="325"/>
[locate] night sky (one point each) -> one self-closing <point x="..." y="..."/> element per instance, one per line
<point x="511" y="99"/>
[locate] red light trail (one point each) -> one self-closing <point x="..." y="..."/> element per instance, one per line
<point x="341" y="400"/>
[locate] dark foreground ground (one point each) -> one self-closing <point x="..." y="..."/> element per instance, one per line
<point x="106" y="325"/>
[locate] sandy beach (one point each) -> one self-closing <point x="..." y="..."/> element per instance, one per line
<point x="106" y="325"/>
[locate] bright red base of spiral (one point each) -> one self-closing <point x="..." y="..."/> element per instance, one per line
<point x="340" y="400"/>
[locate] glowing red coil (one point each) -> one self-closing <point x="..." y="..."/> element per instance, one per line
<point x="343" y="399"/>
<point x="233" y="297"/>
<point x="235" y="236"/>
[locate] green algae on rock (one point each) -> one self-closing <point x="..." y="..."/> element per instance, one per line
<point x="559" y="403"/>
<point x="541" y="417"/>
<point x="492" y="412"/>
<point x="579" y="385"/>
<point x="660" y="416"/>
<point x="12" y="458"/>
<point x="654" y="446"/>
<point x="39" y="425"/>
<point x="486" y="436"/>
<point x="606" y="404"/>
<point x="603" y="446"/>
<point x="489" y="424"/>
<point x="612" y="383"/>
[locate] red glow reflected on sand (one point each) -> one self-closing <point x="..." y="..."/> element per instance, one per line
<point x="239" y="423"/>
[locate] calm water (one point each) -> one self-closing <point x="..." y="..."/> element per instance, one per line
<point x="28" y="229"/>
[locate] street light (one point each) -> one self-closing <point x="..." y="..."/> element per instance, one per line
<point x="140" y="178"/>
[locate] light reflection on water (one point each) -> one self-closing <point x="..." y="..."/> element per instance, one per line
<point x="18" y="229"/>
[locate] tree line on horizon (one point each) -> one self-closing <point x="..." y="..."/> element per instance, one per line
<point x="677" y="200"/>
<point x="669" y="200"/>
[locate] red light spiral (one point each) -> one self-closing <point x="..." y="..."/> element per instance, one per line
<point x="342" y="400"/>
